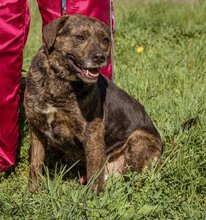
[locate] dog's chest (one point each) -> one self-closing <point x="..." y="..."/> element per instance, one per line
<point x="62" y="128"/>
<point x="50" y="113"/>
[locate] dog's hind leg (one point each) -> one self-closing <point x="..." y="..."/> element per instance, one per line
<point x="37" y="155"/>
<point x="142" y="149"/>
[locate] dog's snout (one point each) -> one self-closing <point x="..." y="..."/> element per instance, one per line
<point x="98" y="58"/>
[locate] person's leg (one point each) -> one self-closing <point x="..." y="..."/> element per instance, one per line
<point x="49" y="10"/>
<point x="102" y="10"/>
<point x="14" y="20"/>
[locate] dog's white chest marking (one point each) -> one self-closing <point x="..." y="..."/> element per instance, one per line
<point x="49" y="112"/>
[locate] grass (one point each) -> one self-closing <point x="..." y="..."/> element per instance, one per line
<point x="169" y="78"/>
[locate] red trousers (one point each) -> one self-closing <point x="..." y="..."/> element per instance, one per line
<point x="14" y="26"/>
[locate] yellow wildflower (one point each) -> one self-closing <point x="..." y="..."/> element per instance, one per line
<point x="139" y="49"/>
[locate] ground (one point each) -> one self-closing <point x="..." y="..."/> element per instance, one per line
<point x="160" y="59"/>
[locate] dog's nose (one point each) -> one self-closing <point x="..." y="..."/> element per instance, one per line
<point x="98" y="58"/>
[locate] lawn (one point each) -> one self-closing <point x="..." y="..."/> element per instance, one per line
<point x="160" y="59"/>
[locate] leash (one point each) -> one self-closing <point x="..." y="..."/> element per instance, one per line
<point x="63" y="7"/>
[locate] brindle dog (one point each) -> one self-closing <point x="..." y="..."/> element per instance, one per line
<point x="74" y="109"/>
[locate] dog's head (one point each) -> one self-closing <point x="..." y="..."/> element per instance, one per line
<point x="80" y="44"/>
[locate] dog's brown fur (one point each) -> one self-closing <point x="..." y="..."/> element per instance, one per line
<point x="86" y="118"/>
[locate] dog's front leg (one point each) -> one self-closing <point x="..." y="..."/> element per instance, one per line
<point x="95" y="154"/>
<point x="37" y="155"/>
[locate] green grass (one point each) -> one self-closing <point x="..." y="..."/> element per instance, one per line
<point x="169" y="78"/>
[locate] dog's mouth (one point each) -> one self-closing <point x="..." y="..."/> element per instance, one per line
<point x="89" y="73"/>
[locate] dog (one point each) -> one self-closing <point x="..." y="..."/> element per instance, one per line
<point x="71" y="107"/>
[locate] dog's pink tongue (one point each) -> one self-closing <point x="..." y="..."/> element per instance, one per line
<point x="90" y="74"/>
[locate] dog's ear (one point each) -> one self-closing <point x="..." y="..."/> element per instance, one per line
<point x="50" y="31"/>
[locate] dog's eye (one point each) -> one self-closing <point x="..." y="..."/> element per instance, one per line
<point x="80" y="37"/>
<point x="105" y="40"/>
